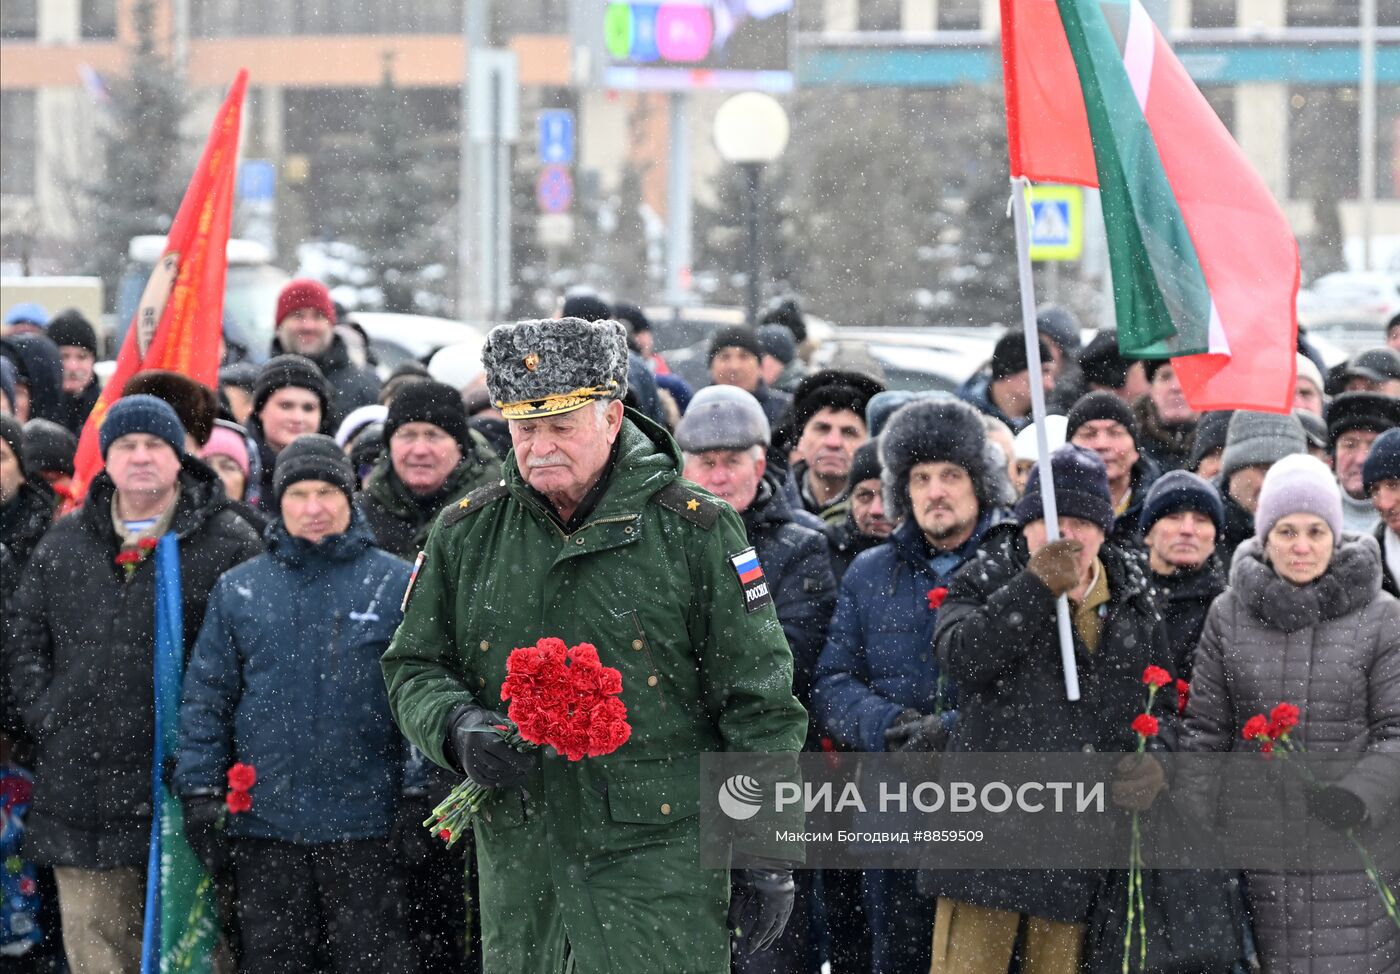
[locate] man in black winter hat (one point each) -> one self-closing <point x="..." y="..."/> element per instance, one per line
<point x="1105" y="370"/>
<point x="1354" y="421"/>
<point x="828" y="426"/>
<point x="1180" y="521"/>
<point x="434" y="459"/>
<point x="311" y="857"/>
<point x="998" y="641"/>
<point x="1007" y="395"/>
<point x="866" y="524"/>
<point x="77" y="348"/>
<point x="1104" y="423"/>
<point x="734" y="359"/>
<point x="1381" y="476"/>
<point x="290" y="398"/>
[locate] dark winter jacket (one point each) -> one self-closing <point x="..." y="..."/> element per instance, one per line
<point x="998" y="640"/>
<point x="1332" y="648"/>
<point x="79" y="656"/>
<point x="353" y="386"/>
<point x="74" y="407"/>
<point x="1184" y="599"/>
<point x="833" y="512"/>
<point x="41" y="368"/>
<point x="1126" y="526"/>
<point x="1387" y="578"/>
<point x="1168" y="445"/>
<point x="846" y="544"/>
<point x="26" y="517"/>
<point x="775" y="404"/>
<point x="878" y="659"/>
<point x="792" y="550"/>
<point x="977" y="391"/>
<point x="1239" y="526"/>
<point x="400" y="519"/>
<point x="285" y="677"/>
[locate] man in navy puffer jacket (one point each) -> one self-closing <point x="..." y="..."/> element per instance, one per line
<point x="878" y="685"/>
<point x="285" y="677"/>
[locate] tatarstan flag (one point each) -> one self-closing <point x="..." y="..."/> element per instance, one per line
<point x="1205" y="266"/>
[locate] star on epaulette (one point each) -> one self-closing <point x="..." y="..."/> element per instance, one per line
<point x="680" y="498"/>
<point x="692" y="505"/>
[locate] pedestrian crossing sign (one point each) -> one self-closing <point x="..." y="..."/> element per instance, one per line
<point x="1057" y="222"/>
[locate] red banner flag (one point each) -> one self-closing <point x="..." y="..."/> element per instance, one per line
<point x="1205" y="266"/>
<point x="179" y="321"/>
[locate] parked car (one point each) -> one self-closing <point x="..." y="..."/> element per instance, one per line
<point x="396" y="338"/>
<point x="917" y="359"/>
<point x="1367" y="302"/>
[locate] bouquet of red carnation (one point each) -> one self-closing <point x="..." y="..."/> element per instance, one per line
<point x="1145" y="726"/>
<point x="561" y="697"/>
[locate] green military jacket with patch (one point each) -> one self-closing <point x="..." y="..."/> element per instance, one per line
<point x="596" y="862"/>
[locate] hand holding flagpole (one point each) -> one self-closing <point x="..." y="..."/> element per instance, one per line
<point x="1019" y="187"/>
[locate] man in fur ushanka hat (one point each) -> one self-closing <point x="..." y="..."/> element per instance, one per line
<point x="878" y="687"/>
<point x="592" y="536"/>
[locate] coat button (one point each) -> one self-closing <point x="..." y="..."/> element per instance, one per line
<point x="636" y="644"/>
<point x="485" y="645"/>
<point x="579" y="540"/>
<point x="665" y="809"/>
<point x="628" y="530"/>
<point x="651" y="681"/>
<point x="481" y="681"/>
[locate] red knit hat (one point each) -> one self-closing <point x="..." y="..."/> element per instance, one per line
<point x="305" y="293"/>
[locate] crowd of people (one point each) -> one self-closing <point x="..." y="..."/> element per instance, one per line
<point x="1254" y="555"/>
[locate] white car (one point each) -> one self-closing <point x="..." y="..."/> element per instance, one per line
<point x="917" y="359"/>
<point x="1352" y="300"/>
<point x="397" y="338"/>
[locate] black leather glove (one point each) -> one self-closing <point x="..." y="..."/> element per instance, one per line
<point x="481" y="751"/>
<point x="760" y="903"/>
<point x="917" y="734"/>
<point x="204" y="831"/>
<point x="1336" y="807"/>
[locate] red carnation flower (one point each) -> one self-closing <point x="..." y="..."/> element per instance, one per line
<point x="1183" y="695"/>
<point x="128" y="557"/>
<point x="936" y="597"/>
<point x="242" y="777"/>
<point x="1155" y="676"/>
<point x="445" y="835"/>
<point x="1283" y="719"/>
<point x="238" y="802"/>
<point x="1256" y="727"/>
<point x="146" y="544"/>
<point x="1146" y="725"/>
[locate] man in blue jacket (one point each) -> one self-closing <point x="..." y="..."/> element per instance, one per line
<point x="878" y="685"/>
<point x="285" y="677"/>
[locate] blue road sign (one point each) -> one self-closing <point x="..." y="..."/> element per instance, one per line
<point x="257" y="180"/>
<point x="556" y="137"/>
<point x="554" y="190"/>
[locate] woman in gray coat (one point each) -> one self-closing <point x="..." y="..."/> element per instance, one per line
<point x="1305" y="622"/>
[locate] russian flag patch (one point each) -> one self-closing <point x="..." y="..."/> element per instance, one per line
<point x="751" y="580"/>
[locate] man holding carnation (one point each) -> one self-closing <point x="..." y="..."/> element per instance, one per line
<point x="997" y="638"/>
<point x="283" y="678"/>
<point x="593" y="537"/>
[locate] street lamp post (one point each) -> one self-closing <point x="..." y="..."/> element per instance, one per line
<point x="750" y="130"/>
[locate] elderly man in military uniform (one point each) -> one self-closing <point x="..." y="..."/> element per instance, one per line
<point x="593" y="866"/>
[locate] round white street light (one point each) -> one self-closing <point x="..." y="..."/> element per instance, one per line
<point x="751" y="128"/>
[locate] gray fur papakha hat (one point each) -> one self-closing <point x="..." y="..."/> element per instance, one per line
<point x="554" y="366"/>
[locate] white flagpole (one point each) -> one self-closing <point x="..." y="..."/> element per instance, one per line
<point x="1019" y="187"/>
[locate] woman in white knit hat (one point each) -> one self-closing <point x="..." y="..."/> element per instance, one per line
<point x="1305" y="622"/>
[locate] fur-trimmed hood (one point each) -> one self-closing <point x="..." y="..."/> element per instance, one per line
<point x="933" y="430"/>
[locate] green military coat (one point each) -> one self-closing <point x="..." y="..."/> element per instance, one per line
<point x="596" y="861"/>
